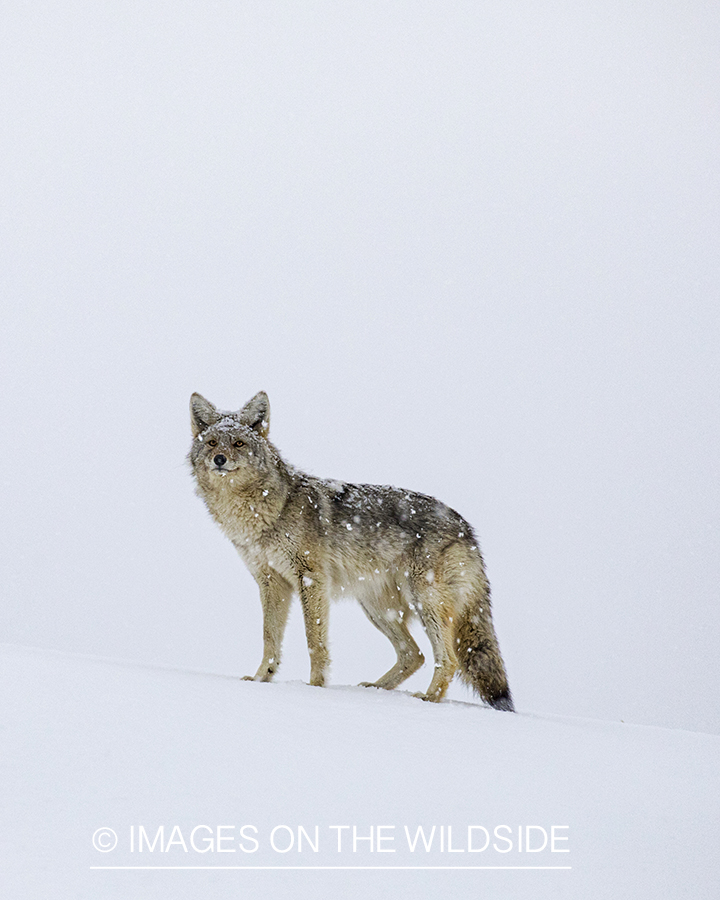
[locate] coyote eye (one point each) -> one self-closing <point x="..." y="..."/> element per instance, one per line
<point x="239" y="444"/>
<point x="212" y="443"/>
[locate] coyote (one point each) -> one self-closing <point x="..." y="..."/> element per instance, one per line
<point x="399" y="553"/>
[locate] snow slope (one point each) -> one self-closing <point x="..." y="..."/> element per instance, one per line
<point x="468" y="249"/>
<point x="87" y="744"/>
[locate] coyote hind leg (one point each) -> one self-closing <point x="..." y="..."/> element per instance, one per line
<point x="388" y="619"/>
<point x="438" y="630"/>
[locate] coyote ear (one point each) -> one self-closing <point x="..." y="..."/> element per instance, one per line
<point x="202" y="414"/>
<point x="256" y="413"/>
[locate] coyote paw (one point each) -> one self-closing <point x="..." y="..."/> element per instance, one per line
<point x="431" y="698"/>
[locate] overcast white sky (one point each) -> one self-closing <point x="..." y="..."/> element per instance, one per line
<point x="468" y="248"/>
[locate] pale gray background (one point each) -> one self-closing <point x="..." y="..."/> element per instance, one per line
<point x="469" y="248"/>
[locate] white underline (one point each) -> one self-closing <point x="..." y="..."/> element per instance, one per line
<point x="345" y="868"/>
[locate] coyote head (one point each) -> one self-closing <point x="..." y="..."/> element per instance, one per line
<point x="229" y="443"/>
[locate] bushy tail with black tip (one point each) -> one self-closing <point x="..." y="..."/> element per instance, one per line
<point x="480" y="663"/>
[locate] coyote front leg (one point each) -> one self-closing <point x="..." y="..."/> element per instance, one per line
<point x="275" y="596"/>
<point x="315" y="606"/>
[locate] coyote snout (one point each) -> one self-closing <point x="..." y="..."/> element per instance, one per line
<point x="399" y="553"/>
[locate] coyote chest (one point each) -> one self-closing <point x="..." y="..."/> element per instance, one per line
<point x="250" y="522"/>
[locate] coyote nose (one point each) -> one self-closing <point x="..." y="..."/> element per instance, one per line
<point x="220" y="460"/>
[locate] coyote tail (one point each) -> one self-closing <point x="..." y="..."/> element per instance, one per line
<point x="480" y="663"/>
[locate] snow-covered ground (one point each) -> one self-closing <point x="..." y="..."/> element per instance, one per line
<point x="90" y="744"/>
